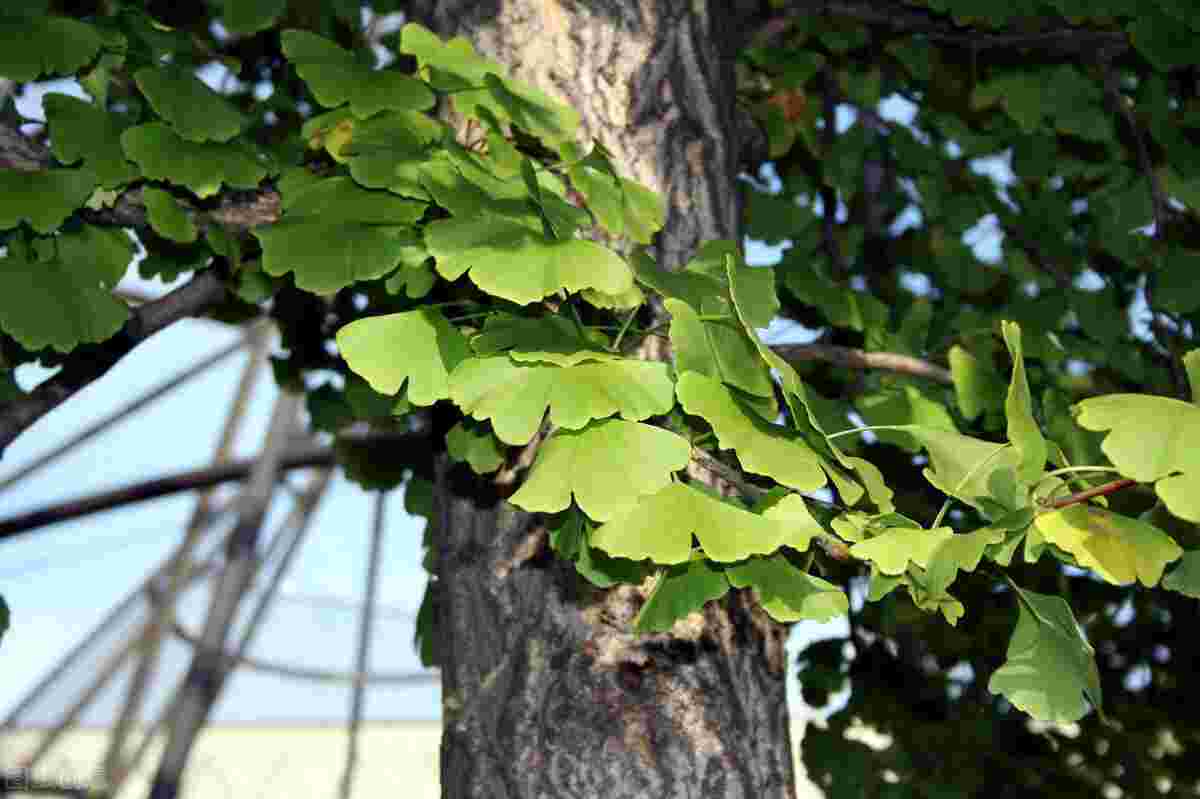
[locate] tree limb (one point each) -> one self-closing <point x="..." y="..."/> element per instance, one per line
<point x="902" y="18"/>
<point x="852" y="358"/>
<point x="87" y="364"/>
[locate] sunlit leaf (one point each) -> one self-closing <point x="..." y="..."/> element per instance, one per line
<point x="335" y="76"/>
<point x="1023" y="430"/>
<point x="717" y="349"/>
<point x="1119" y="548"/>
<point x="661" y="526"/>
<point x="622" y="207"/>
<point x="680" y="591"/>
<point x="1051" y="668"/>
<point x="516" y="396"/>
<point x="200" y="166"/>
<point x="787" y="593"/>
<point x="761" y="447"/>
<point x="1152" y="439"/>
<point x="419" y="348"/>
<point x="550" y="339"/>
<point x="509" y="261"/>
<point x="606" y="466"/>
<point x="900" y="406"/>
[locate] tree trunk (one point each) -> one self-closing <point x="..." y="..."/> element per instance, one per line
<point x="546" y="692"/>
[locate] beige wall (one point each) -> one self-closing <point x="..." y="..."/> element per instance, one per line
<point x="299" y="762"/>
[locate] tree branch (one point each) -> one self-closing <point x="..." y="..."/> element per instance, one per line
<point x="87" y="364"/>
<point x="902" y="18"/>
<point x="852" y="358"/>
<point x="1098" y="491"/>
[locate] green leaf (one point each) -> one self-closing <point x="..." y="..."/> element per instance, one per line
<point x="1151" y="439"/>
<point x="515" y="396"/>
<point x="1119" y="548"/>
<point x="978" y="387"/>
<point x="167" y="217"/>
<point x="335" y="76"/>
<point x="57" y="293"/>
<point x="762" y="448"/>
<point x="679" y="592"/>
<point x="509" y="261"/>
<point x="552" y="339"/>
<point x="202" y="167"/>
<point x="1191" y="364"/>
<point x="1050" y="668"/>
<point x="387" y="151"/>
<point x="622" y="207"/>
<point x="970" y="469"/>
<point x="334" y="233"/>
<point x="1185" y="578"/>
<point x="81" y="130"/>
<point x="899" y="406"/>
<point x="418" y="347"/>
<point x="661" y="526"/>
<point x="607" y="466"/>
<point x="940" y="552"/>
<point x="43" y="199"/>
<point x="716" y="349"/>
<point x="36" y="45"/>
<point x="1023" y="430"/>
<point x="475" y="444"/>
<point x="194" y="111"/>
<point x="251" y="16"/>
<point x="787" y="593"/>
<point x="454" y="66"/>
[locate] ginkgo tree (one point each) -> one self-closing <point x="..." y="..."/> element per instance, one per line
<point x="474" y="261"/>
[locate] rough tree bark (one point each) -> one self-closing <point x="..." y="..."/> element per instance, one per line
<point x="546" y="693"/>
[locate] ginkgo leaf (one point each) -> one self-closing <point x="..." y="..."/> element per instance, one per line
<point x="454" y="66"/>
<point x="661" y="526"/>
<point x="43" y="199"/>
<point x="335" y="76"/>
<point x="757" y="300"/>
<point x="941" y="552"/>
<point x="1023" y="430"/>
<point x="1191" y="364"/>
<point x="717" y="349"/>
<point x="1119" y="548"/>
<point x="1185" y="578"/>
<point x="39" y="44"/>
<point x="167" y="217"/>
<point x="686" y="285"/>
<point x="626" y="300"/>
<point x="978" y="387"/>
<point x="899" y="406"/>
<point x="679" y="592"/>
<point x="476" y="445"/>
<point x="200" y="166"/>
<point x="57" y="293"/>
<point x="80" y="130"/>
<point x="1152" y="439"/>
<point x="419" y="348"/>
<point x="516" y="396"/>
<point x="388" y="150"/>
<point x="790" y="508"/>
<point x="508" y="260"/>
<point x="1051" y="670"/>
<point x="788" y="593"/>
<point x="552" y="339"/>
<point x="194" y="111"/>
<point x="762" y="448"/>
<point x="971" y="469"/>
<point x="335" y="232"/>
<point x="606" y="466"/>
<point x="622" y="207"/>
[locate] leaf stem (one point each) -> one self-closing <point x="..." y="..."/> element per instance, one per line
<point x="869" y="428"/>
<point x="616" y="345"/>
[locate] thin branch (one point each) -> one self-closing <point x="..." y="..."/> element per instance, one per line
<point x="902" y="18"/>
<point x="1158" y="199"/>
<point x="87" y="364"/>
<point x="852" y="358"/>
<point x="829" y="201"/>
<point x="1099" y="491"/>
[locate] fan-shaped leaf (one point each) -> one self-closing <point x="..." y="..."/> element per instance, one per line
<point x="717" y="349"/>
<point x="508" y="260"/>
<point x="1151" y="439"/>
<point x="56" y="293"/>
<point x="1023" y="430"/>
<point x="761" y="447"/>
<point x="606" y="466"/>
<point x="43" y="199"/>
<point x="515" y="396"/>
<point x="1119" y="548"/>
<point x="1050" y="669"/>
<point x="194" y="111"/>
<point x="417" y="347"/>
<point x="661" y="526"/>
<point x="201" y="167"/>
<point x="1185" y="578"/>
<point x="552" y="339"/>
<point x="251" y="16"/>
<point x="35" y="45"/>
<point x="81" y="130"/>
<point x="167" y="217"/>
<point x="680" y="591"/>
<point x="334" y="76"/>
<point x="476" y="445"/>
<point x="788" y="593"/>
